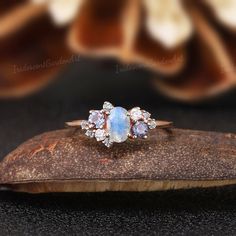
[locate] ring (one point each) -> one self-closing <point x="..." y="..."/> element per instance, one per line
<point x="116" y="124"/>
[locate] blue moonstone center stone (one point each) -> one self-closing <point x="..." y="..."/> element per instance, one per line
<point x="118" y="124"/>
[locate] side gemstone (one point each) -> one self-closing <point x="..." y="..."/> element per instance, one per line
<point x="97" y="118"/>
<point x="89" y="133"/>
<point x="118" y="124"/>
<point x="84" y="124"/>
<point x="107" y="142"/>
<point x="107" y="106"/>
<point x="100" y="134"/>
<point x="140" y="129"/>
<point x="152" y="124"/>
<point x="136" y="114"/>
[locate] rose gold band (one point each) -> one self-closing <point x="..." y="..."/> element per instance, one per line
<point x="160" y="124"/>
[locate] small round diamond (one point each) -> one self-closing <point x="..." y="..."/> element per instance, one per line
<point x="146" y="115"/>
<point x="152" y="124"/>
<point x="107" y="106"/>
<point x="107" y="142"/>
<point x="89" y="133"/>
<point x="140" y="129"/>
<point x="100" y="134"/>
<point x="136" y="114"/>
<point x="97" y="118"/>
<point x="84" y="124"/>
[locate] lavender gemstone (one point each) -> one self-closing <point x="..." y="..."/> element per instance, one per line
<point x="97" y="118"/>
<point x="140" y="129"/>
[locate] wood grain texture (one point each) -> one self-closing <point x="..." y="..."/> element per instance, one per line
<point x="67" y="161"/>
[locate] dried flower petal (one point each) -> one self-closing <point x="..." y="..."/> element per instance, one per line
<point x="168" y="22"/>
<point x="62" y="11"/>
<point x="215" y="73"/>
<point x="31" y="58"/>
<point x="121" y="37"/>
<point x="225" y="10"/>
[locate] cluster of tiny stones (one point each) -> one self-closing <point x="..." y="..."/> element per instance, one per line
<point x="134" y="123"/>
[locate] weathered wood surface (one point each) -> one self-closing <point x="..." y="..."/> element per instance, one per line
<point x="67" y="161"/>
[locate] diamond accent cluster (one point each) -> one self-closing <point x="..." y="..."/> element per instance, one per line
<point x="141" y="122"/>
<point x="97" y="119"/>
<point x="115" y="124"/>
<point x="95" y="126"/>
<point x="107" y="107"/>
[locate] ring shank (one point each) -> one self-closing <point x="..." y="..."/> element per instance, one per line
<point x="161" y="124"/>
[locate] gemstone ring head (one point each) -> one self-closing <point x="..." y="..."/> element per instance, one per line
<point x="116" y="124"/>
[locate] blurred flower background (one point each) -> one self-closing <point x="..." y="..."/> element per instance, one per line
<point x="188" y="46"/>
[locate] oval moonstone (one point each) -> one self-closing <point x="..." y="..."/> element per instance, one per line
<point x="118" y="124"/>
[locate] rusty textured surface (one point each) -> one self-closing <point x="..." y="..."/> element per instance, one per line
<point x="65" y="156"/>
